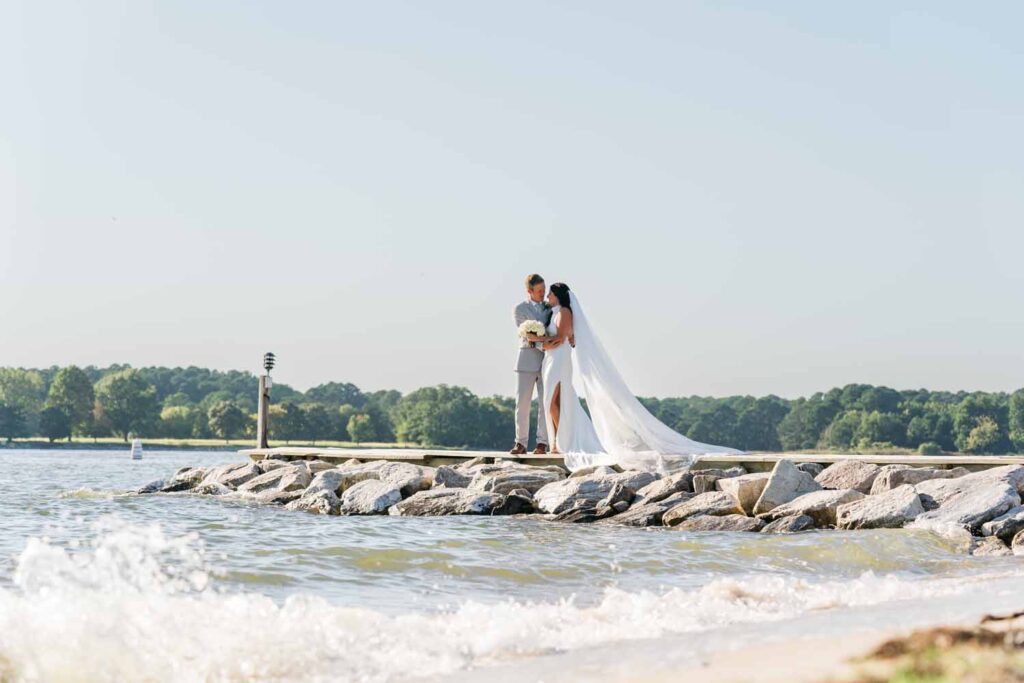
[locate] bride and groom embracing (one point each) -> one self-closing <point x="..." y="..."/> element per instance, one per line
<point x="560" y="355"/>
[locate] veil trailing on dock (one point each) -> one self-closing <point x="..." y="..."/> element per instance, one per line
<point x="629" y="435"/>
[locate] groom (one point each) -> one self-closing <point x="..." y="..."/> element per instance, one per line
<point x="528" y="365"/>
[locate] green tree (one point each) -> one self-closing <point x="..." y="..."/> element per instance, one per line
<point x="337" y="393"/>
<point x="967" y="417"/>
<point x="24" y="390"/>
<point x="802" y="427"/>
<point x="12" y="422"/>
<point x="177" y="422"/>
<point x="286" y="421"/>
<point x="345" y="414"/>
<point x="226" y="420"/>
<point x="841" y="434"/>
<point x="757" y="427"/>
<point x="317" y="422"/>
<point x="360" y="428"/>
<point x="985" y="437"/>
<point x="1016" y="417"/>
<point x="128" y="402"/>
<point x="441" y="416"/>
<point x="878" y="427"/>
<point x="72" y="392"/>
<point x="54" y="423"/>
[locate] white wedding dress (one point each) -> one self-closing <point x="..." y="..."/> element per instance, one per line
<point x="621" y="430"/>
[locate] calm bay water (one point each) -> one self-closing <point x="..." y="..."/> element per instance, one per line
<point x="99" y="585"/>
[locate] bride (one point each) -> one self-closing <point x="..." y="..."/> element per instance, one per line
<point x="622" y="431"/>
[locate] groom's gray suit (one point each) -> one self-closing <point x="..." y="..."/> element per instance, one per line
<point x="528" y="365"/>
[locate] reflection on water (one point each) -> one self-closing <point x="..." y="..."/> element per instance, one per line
<point x="412" y="596"/>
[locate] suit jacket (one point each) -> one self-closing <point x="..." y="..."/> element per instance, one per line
<point x="530" y="358"/>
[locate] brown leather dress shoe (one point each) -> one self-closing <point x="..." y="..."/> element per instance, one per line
<point x="519" y="449"/>
<point x="541" y="449"/>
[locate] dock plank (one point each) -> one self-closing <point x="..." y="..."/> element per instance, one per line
<point x="751" y="461"/>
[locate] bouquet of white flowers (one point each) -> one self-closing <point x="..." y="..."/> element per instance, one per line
<point x="531" y="327"/>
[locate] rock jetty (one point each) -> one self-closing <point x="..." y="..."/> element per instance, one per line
<point x="985" y="506"/>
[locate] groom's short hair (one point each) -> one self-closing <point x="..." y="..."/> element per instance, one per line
<point x="533" y="279"/>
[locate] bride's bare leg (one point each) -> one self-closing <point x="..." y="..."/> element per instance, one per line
<point x="555" y="409"/>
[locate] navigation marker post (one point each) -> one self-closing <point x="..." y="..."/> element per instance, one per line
<point x="264" y="401"/>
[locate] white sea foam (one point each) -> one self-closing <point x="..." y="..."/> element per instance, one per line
<point x="135" y="604"/>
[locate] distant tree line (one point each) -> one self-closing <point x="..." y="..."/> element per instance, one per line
<point x="188" y="403"/>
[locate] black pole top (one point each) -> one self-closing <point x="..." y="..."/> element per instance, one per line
<point x="268" y="361"/>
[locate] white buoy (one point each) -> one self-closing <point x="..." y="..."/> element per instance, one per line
<point x="136" y="449"/>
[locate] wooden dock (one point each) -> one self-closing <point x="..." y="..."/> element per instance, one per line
<point x="753" y="462"/>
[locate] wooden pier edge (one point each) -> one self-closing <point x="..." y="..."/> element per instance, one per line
<point x="752" y="462"/>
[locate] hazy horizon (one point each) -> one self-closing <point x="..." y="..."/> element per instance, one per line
<point x="747" y="200"/>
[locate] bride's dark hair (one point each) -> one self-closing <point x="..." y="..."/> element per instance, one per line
<point x="561" y="292"/>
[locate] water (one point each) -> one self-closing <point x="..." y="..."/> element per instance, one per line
<point x="96" y="585"/>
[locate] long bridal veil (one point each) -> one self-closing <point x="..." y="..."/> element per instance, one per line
<point x="629" y="435"/>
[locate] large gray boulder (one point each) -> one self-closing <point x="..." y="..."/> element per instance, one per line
<point x="594" y="469"/>
<point x="321" y="502"/>
<point x="712" y="503"/>
<point x="352" y="474"/>
<point x="289" y="478"/>
<point x="1017" y="544"/>
<point x="369" y="497"/>
<point x="406" y="477"/>
<point x="989" y="546"/>
<point x="231" y="474"/>
<point x="970" y="507"/>
<point x="530" y="478"/>
<point x="789" y="525"/>
<point x="566" y="494"/>
<point x="811" y="468"/>
<point x="820" y="506"/>
<point x="446" y="477"/>
<point x="935" y="492"/>
<point x="436" y="502"/>
<point x="848" y="474"/>
<point x="888" y="510"/>
<point x="746" y="489"/>
<point x="647" y="514"/>
<point x="679" y="482"/>
<point x="894" y="476"/>
<point x="720" y="523"/>
<point x="327" y="480"/>
<point x="785" y="483"/>
<point x="277" y="496"/>
<point x="184" y="479"/>
<point x="1006" y="525"/>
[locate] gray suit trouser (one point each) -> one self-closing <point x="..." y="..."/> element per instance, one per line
<point x="524" y="397"/>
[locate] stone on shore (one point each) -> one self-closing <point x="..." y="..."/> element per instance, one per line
<point x="720" y="523"/>
<point x="679" y="482"/>
<point x="369" y="497"/>
<point x="601" y="470"/>
<point x="1006" y="525"/>
<point x="231" y="474"/>
<point x="565" y="494"/>
<point x="446" y="477"/>
<point x="820" y="506"/>
<point x="321" y="502"/>
<point x="288" y="478"/>
<point x="785" y="483"/>
<point x="990" y="546"/>
<point x="647" y="514"/>
<point x="328" y="480"/>
<point x="1017" y="544"/>
<point x="441" y="502"/>
<point x="353" y="474"/>
<point x="982" y="500"/>
<point x="849" y="474"/>
<point x="712" y="503"/>
<point x="212" y="489"/>
<point x="811" y="468"/>
<point x="746" y="489"/>
<point x="530" y="478"/>
<point x="184" y="479"/>
<point x="888" y="510"/>
<point x="406" y="477"/>
<point x="277" y="496"/>
<point x="789" y="525"/>
<point x="894" y="476"/>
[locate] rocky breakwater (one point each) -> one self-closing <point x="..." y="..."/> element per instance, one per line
<point x="984" y="506"/>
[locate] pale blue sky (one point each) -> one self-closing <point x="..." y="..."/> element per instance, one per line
<point x="748" y="197"/>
